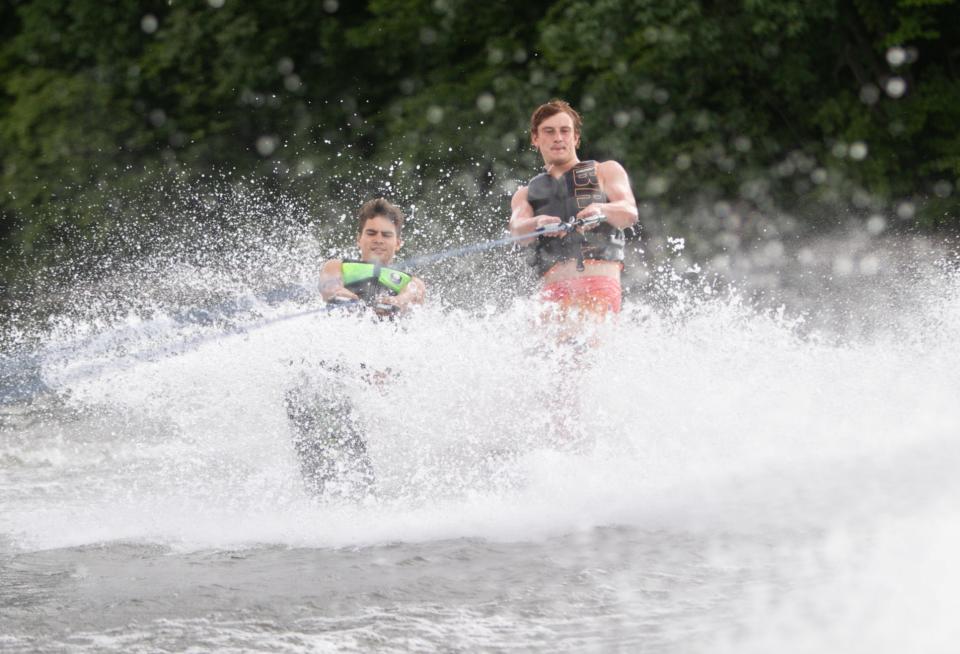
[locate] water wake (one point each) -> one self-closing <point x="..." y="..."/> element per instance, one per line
<point x="701" y="432"/>
<point x="176" y="432"/>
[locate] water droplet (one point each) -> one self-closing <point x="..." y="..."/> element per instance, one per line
<point x="843" y="266"/>
<point x="644" y="91"/>
<point x="803" y="162"/>
<point x="435" y="114"/>
<point x="785" y="168"/>
<point x="943" y="189"/>
<point x="285" y="66"/>
<point x="895" y="87"/>
<point x="486" y="102"/>
<point x="876" y="224"/>
<point x="621" y="119"/>
<point x="428" y="35"/>
<point x="773" y="250"/>
<point x="266" y="145"/>
<point x="861" y="199"/>
<point x="305" y="167"/>
<point x="216" y="4"/>
<point x="869" y="94"/>
<point x="702" y="122"/>
<point x="858" y="151"/>
<point x="906" y="210"/>
<point x="149" y="23"/>
<point x="896" y="56"/>
<point x="869" y="265"/>
<point x="657" y="185"/>
<point x="330" y="6"/>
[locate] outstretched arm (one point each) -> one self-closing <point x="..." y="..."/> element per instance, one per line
<point x="620" y="207"/>
<point x="331" y="281"/>
<point x="522" y="220"/>
<point x="412" y="294"/>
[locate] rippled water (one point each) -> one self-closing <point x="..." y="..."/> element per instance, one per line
<point x="710" y="477"/>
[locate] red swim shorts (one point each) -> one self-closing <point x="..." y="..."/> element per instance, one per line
<point x="595" y="294"/>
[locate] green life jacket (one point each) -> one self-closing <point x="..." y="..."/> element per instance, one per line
<point x="370" y="280"/>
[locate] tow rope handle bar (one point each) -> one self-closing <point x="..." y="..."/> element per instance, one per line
<point x="573" y="224"/>
<point x="569" y="226"/>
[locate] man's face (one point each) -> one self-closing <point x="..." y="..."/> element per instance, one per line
<point x="378" y="240"/>
<point x="556" y="139"/>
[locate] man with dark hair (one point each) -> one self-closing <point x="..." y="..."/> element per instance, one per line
<point x="327" y="429"/>
<point x="580" y="267"/>
<point x="368" y="280"/>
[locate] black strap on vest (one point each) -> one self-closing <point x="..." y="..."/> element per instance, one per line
<point x="564" y="197"/>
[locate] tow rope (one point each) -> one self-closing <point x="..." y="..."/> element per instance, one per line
<point x="571" y="225"/>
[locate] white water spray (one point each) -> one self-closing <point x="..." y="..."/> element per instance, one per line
<point x="701" y="416"/>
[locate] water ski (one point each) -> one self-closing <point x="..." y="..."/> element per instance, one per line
<point x="328" y="439"/>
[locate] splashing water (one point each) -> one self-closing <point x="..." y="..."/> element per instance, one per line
<point x="712" y="475"/>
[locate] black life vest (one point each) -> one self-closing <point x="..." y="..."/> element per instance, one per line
<point x="564" y="197"/>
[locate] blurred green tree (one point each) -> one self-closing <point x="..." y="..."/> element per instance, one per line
<point x="774" y="105"/>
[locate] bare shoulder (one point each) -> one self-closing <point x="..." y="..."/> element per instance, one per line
<point x="611" y="169"/>
<point x="332" y="267"/>
<point x="520" y="206"/>
<point x="613" y="178"/>
<point x="519" y="196"/>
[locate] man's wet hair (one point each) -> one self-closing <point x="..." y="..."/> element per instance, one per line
<point x="551" y="109"/>
<point x="379" y="207"/>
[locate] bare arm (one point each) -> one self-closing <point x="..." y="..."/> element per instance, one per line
<point x="412" y="294"/>
<point x="331" y="281"/>
<point x="620" y="207"/>
<point x="522" y="220"/>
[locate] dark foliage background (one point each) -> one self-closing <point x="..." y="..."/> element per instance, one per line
<point x="758" y="108"/>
